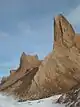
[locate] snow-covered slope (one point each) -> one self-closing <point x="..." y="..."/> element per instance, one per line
<point x="6" y="101"/>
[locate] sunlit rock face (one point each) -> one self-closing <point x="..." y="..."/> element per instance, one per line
<point x="63" y="31"/>
<point x="28" y="61"/>
<point x="12" y="72"/>
<point x="20" y="80"/>
<point x="60" y="70"/>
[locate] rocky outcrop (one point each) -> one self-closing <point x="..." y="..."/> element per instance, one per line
<point x="63" y="32"/>
<point x="12" y="72"/>
<point x="70" y="98"/>
<point x="57" y="73"/>
<point x="60" y="70"/>
<point x="3" y="80"/>
<point x="27" y="62"/>
<point x="28" y="65"/>
<point x="77" y="41"/>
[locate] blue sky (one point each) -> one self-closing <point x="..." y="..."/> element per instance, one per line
<point x="27" y="25"/>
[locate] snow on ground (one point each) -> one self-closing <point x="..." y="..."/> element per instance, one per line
<point x="6" y="101"/>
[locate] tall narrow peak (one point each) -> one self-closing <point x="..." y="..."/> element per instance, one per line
<point x="63" y="31"/>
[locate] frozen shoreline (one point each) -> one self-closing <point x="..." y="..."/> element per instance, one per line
<point x="48" y="102"/>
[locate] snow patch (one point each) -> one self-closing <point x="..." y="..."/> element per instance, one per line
<point x="8" y="101"/>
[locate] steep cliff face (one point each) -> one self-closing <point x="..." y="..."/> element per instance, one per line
<point x="60" y="70"/>
<point x="12" y="72"/>
<point x="57" y="73"/>
<point x="28" y="67"/>
<point x="63" y="31"/>
<point x="27" y="62"/>
<point x="77" y="41"/>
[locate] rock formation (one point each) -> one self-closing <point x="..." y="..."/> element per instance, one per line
<point x="12" y="72"/>
<point x="60" y="70"/>
<point x="27" y="62"/>
<point x="70" y="98"/>
<point x="57" y="73"/>
<point x="3" y="80"/>
<point x="28" y="66"/>
<point x="63" y="31"/>
<point x="77" y="41"/>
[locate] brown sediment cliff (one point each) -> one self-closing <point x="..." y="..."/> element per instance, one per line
<point x="26" y="71"/>
<point x="57" y="73"/>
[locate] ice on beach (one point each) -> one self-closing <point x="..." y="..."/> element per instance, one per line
<point x="7" y="101"/>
